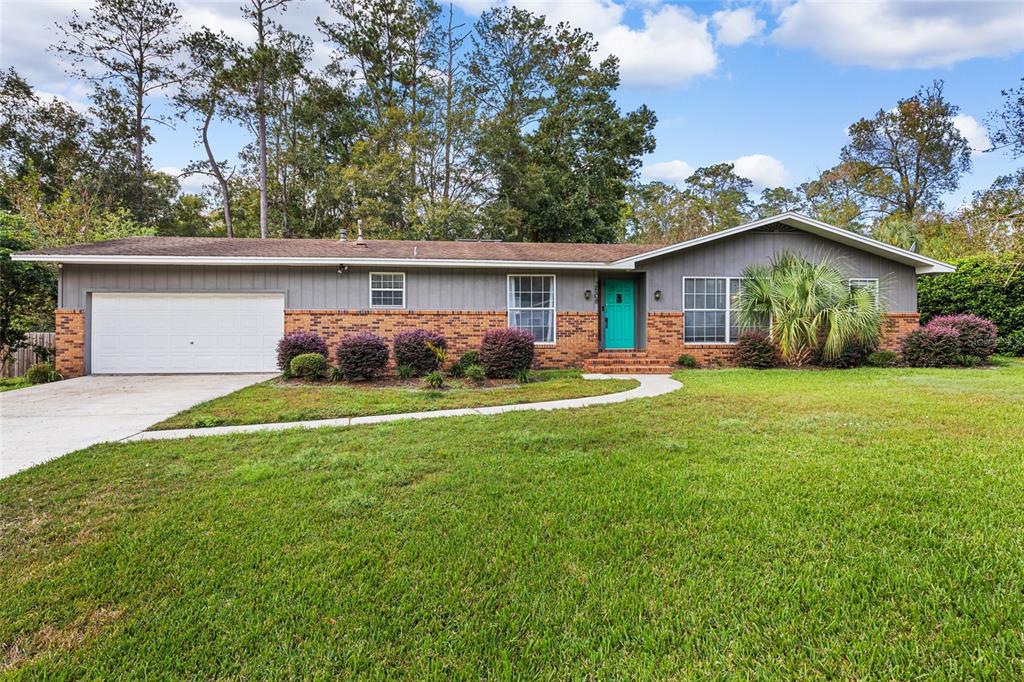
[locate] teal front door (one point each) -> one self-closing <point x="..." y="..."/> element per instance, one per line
<point x="619" y="320"/>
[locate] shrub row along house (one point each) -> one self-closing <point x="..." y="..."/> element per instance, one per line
<point x="176" y="304"/>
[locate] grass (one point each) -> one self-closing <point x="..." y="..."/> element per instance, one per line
<point x="277" y="401"/>
<point x="834" y="524"/>
<point x="13" y="383"/>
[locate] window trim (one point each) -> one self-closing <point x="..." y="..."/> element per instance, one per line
<point x="553" y="308"/>
<point x="387" y="307"/>
<point x="728" y="310"/>
<point x="862" y="281"/>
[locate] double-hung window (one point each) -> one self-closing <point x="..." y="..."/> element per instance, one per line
<point x="387" y="289"/>
<point x="709" y="310"/>
<point x="531" y="305"/>
<point x="868" y="283"/>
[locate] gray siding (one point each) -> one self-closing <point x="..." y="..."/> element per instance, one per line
<point x="728" y="257"/>
<point x="321" y="288"/>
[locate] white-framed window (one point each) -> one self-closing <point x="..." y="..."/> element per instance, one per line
<point x="387" y="289"/>
<point x="531" y="305"/>
<point x="709" y="314"/>
<point x="869" y="283"/>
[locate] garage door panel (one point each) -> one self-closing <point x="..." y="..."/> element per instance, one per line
<point x="181" y="333"/>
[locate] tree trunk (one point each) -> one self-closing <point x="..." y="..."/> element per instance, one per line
<point x="261" y="115"/>
<point x="225" y="196"/>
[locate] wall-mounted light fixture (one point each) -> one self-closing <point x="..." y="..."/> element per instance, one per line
<point x="587" y="294"/>
<point x="657" y="295"/>
<point x="342" y="269"/>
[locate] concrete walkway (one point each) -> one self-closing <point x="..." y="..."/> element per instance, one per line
<point x="42" y="422"/>
<point x="650" y="385"/>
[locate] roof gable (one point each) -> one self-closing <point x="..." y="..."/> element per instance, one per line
<point x="922" y="264"/>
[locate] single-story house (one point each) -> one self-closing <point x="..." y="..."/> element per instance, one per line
<point x="183" y="304"/>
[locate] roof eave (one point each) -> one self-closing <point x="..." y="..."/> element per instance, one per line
<point x="326" y="262"/>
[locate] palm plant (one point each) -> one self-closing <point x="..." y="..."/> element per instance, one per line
<point x="808" y="307"/>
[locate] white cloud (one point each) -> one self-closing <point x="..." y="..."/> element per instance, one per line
<point x="671" y="47"/>
<point x="736" y="26"/>
<point x="893" y="34"/>
<point x="975" y="133"/>
<point x="673" y="172"/>
<point x="761" y="169"/>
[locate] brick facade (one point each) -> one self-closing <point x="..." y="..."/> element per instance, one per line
<point x="895" y="326"/>
<point x="70" y="342"/>
<point x="665" y="338"/>
<point x="576" y="332"/>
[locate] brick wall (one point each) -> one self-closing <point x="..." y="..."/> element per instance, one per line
<point x="464" y="329"/>
<point x="895" y="326"/>
<point x="665" y="338"/>
<point x="665" y="341"/>
<point x="70" y="342"/>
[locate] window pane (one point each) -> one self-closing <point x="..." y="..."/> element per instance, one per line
<point x="538" y="322"/>
<point x="387" y="290"/>
<point x="704" y="327"/>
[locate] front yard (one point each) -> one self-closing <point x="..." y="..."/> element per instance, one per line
<point x="287" y="401"/>
<point x="777" y="524"/>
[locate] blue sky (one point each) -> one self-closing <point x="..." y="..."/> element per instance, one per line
<point x="771" y="85"/>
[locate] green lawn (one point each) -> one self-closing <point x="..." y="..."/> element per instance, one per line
<point x="13" y="383"/>
<point x="857" y="524"/>
<point x="277" y="401"/>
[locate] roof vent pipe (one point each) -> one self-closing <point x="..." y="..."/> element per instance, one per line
<point x="344" y="233"/>
<point x="359" y="238"/>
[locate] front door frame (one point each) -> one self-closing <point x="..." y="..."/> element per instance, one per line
<point x="639" y="309"/>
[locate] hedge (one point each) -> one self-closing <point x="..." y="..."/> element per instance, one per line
<point x="990" y="286"/>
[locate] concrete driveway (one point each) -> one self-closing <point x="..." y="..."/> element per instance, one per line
<point x="42" y="422"/>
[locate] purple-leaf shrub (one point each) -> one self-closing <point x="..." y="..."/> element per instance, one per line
<point x="978" y="336"/>
<point x="362" y="356"/>
<point x="506" y="352"/>
<point x="756" y="350"/>
<point x="411" y="349"/>
<point x="931" y="346"/>
<point x="298" y="343"/>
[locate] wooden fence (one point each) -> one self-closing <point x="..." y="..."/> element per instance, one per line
<point x="26" y="357"/>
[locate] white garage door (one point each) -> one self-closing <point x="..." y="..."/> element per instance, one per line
<point x="185" y="333"/>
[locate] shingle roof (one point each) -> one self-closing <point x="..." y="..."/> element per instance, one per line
<point x="212" y="247"/>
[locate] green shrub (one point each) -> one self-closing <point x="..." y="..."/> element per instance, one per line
<point x="883" y="358"/>
<point x="523" y="376"/>
<point x="470" y="357"/>
<point x="990" y="285"/>
<point x="756" y="350"/>
<point x="405" y="371"/>
<point x="308" y="366"/>
<point x="931" y="347"/>
<point x="967" y="360"/>
<point x="41" y="373"/>
<point x="687" y="361"/>
<point x="475" y="373"/>
<point x="1011" y="344"/>
<point x="434" y="379"/>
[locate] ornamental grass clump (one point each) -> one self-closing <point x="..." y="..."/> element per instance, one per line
<point x="362" y="356"/>
<point x="506" y="353"/>
<point x="413" y="348"/>
<point x="296" y="343"/>
<point x="809" y="307"/>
